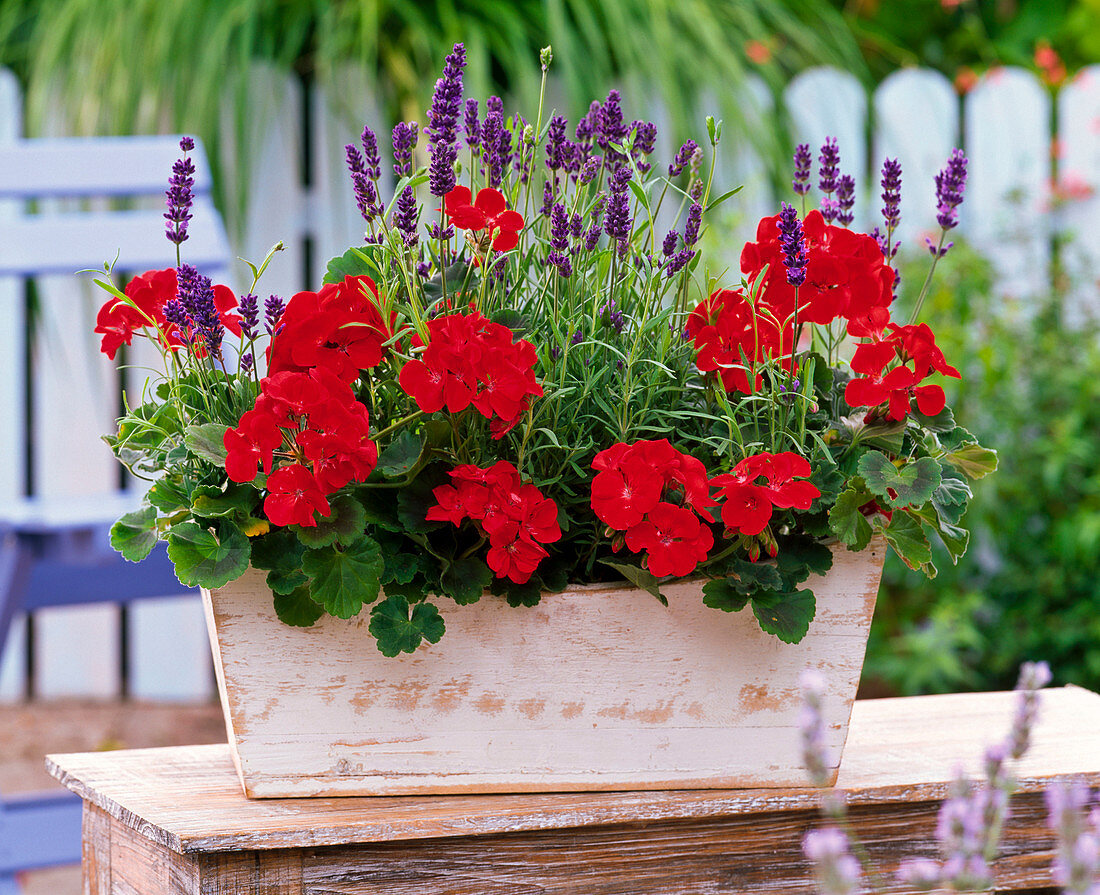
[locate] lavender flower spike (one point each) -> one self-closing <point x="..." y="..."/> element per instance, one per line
<point x="835" y="869"/>
<point x="406" y="216"/>
<point x="1077" y="861"/>
<point x="812" y="725"/>
<point x="683" y="157"/>
<point x="196" y="294"/>
<point x="273" y="312"/>
<point x="249" y="310"/>
<point x="830" y="165"/>
<point x="404" y="141"/>
<point x="803" y="162"/>
<point x="443" y="121"/>
<point x="845" y="199"/>
<point x="473" y="126"/>
<point x="1033" y="677"/>
<point x="950" y="183"/>
<point x="178" y="195"/>
<point x="793" y="243"/>
<point x="891" y="193"/>
<point x="373" y="161"/>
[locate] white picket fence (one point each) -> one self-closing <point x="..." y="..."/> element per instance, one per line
<point x="915" y="115"/>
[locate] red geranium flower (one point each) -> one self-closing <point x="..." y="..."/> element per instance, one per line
<point x="749" y="503"/>
<point x="253" y="441"/>
<point x="117" y="320"/>
<point x="674" y="539"/>
<point x="293" y="497"/>
<point x="488" y="212"/>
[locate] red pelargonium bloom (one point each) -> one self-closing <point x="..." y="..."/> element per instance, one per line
<point x="488" y="212"/>
<point x="118" y="320"/>
<point x="727" y="331"/>
<point x="914" y="346"/>
<point x="846" y="273"/>
<point x="293" y="497"/>
<point x="515" y="516"/>
<point x="326" y="429"/>
<point x="471" y="360"/>
<point x="674" y="538"/>
<point x="749" y="503"/>
<point x="340" y="328"/>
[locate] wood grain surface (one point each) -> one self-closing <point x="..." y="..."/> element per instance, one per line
<point x="596" y="688"/>
<point x="188" y="800"/>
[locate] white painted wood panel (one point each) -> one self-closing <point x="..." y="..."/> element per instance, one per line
<point x="1079" y="183"/>
<point x="338" y="118"/>
<point x="916" y="122"/>
<point x="276" y="207"/>
<point x="825" y="102"/>
<point x="596" y="688"/>
<point x="1007" y="129"/>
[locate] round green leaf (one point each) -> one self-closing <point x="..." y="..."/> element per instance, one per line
<point x="399" y="632"/>
<point x="297" y="609"/>
<point x="786" y="615"/>
<point x="344" y="579"/>
<point x="208" y="557"/>
<point x="135" y="534"/>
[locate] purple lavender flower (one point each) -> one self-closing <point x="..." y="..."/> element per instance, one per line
<point x="247" y="362"/>
<point x="577" y="338"/>
<point x="830" y="163"/>
<point x="672" y="239"/>
<point x="559" y="228"/>
<point x="366" y="196"/>
<point x="423" y="270"/>
<point x="176" y="314"/>
<point x="595" y="229"/>
<point x="576" y="225"/>
<point x="442" y="121"/>
<point x="950" y="184"/>
<point x="691" y="226"/>
<point x="1077" y="860"/>
<point x="547" y="199"/>
<point x="846" y="199"/>
<point x="588" y="127"/>
<point x="590" y="170"/>
<point x="618" y="224"/>
<point x="249" y="311"/>
<point x="612" y="128"/>
<point x="610" y="315"/>
<point x="562" y="262"/>
<point x="521" y="161"/>
<point x="556" y="142"/>
<point x="505" y="147"/>
<point x="273" y="312"/>
<point x="491" y="130"/>
<point x="473" y="127"/>
<point x="891" y="195"/>
<point x="679" y="261"/>
<point x="835" y="869"/>
<point x="406" y="216"/>
<point x="793" y="243"/>
<point x="178" y="196"/>
<point x="495" y="104"/>
<point x="555" y="352"/>
<point x="1033" y="677"/>
<point x="373" y="160"/>
<point x="683" y="158"/>
<point x="196" y="294"/>
<point x="440" y="233"/>
<point x="404" y="141"/>
<point x="803" y="161"/>
<point x="645" y="137"/>
<point x="354" y="159"/>
<point x="812" y="725"/>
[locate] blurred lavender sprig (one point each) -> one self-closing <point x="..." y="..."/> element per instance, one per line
<point x="1077" y="835"/>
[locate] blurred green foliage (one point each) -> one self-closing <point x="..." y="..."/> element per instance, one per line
<point x="978" y="34"/>
<point x="1030" y="586"/>
<point x="135" y="66"/>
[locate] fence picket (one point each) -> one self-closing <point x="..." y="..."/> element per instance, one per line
<point x="916" y="122"/>
<point x="12" y="328"/>
<point x="338" y="118"/>
<point x="1078" y="209"/>
<point x="825" y="102"/>
<point x="1007" y="132"/>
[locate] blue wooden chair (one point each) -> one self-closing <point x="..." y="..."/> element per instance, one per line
<point x="55" y="551"/>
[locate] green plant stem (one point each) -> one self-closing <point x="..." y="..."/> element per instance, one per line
<point x="928" y="279"/>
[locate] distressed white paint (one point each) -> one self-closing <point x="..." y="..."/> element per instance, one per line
<point x="595" y="688"/>
<point x="1008" y="139"/>
<point x="916" y="122"/>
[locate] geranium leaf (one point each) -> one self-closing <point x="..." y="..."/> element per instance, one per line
<point x="515" y="320"/>
<point x="944" y="421"/>
<point x="400" y="568"/>
<point x="211" y="502"/>
<point x="355" y="262"/>
<point x="379" y="507"/>
<point x="398" y="631"/>
<point x="206" y="441"/>
<point x="135" y="534"/>
<point x="465" y="580"/>
<point x="344" y="524"/>
<point x="753" y="576"/>
<point x="951" y="497"/>
<point x="799" y="557"/>
<point x="343" y="580"/>
<point x="909" y="485"/>
<point x="786" y="615"/>
<point x="285" y="581"/>
<point x="725" y="594"/>
<point x="639" y="577"/>
<point x="168" y="495"/>
<point x="297" y="609"/>
<point x="400" y="454"/>
<point x="847" y="522"/>
<point x="972" y="460"/>
<point x="208" y="557"/>
<point x="279" y="549"/>
<point x="906" y="535"/>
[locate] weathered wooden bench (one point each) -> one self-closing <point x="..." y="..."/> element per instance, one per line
<point x="68" y="205"/>
<point x="160" y="821"/>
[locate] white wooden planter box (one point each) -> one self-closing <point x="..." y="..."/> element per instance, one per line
<point x="596" y="688"/>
